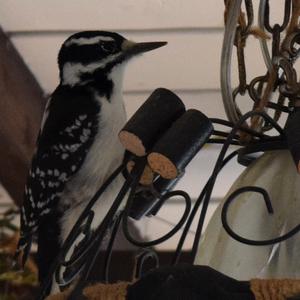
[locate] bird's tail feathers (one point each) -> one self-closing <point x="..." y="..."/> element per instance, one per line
<point x="22" y="251"/>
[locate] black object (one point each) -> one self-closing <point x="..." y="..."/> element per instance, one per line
<point x="188" y="282"/>
<point x="292" y="132"/>
<point x="172" y="153"/>
<point x="252" y="151"/>
<point x="148" y="200"/>
<point x="151" y="120"/>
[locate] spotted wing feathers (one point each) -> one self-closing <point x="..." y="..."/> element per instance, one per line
<point x="67" y="134"/>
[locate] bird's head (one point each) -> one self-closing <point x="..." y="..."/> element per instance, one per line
<point x="89" y="52"/>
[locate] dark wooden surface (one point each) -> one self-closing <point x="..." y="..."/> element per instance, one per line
<point x="21" y="105"/>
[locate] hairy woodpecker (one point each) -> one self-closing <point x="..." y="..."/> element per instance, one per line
<point x="77" y="148"/>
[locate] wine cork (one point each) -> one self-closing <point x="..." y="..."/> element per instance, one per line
<point x="150" y="121"/>
<point x="176" y="148"/>
<point x="147" y="175"/>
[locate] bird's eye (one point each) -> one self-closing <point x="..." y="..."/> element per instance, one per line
<point x="110" y="47"/>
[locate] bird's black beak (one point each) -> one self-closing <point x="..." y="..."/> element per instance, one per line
<point x="131" y="48"/>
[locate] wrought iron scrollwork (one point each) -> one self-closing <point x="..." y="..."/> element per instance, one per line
<point x="81" y="248"/>
<point x="268" y="202"/>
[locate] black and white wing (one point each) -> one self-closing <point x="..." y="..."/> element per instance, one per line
<point x="67" y="134"/>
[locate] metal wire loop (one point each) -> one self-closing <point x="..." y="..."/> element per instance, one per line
<point x="267" y="200"/>
<point x="168" y="235"/>
<point x="141" y="259"/>
<point x="287" y="12"/>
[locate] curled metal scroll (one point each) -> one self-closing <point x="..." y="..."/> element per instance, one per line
<point x="82" y="225"/>
<point x="142" y="257"/>
<point x="268" y="202"/>
<point x="69" y="268"/>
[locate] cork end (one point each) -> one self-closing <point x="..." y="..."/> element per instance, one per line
<point x="132" y="143"/>
<point x="147" y="176"/>
<point x="275" y="289"/>
<point x="162" y="165"/>
<point x="101" y="291"/>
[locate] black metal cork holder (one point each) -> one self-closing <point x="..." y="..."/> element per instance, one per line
<point x="178" y="141"/>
